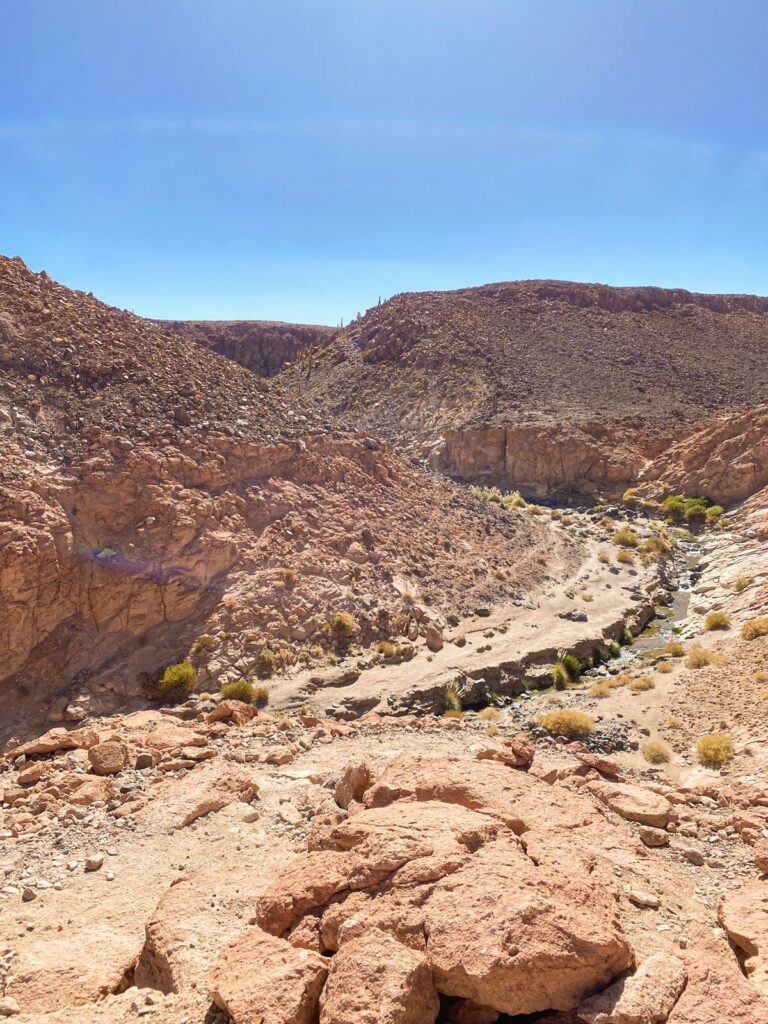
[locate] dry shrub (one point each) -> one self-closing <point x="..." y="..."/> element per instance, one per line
<point x="261" y="694"/>
<point x="489" y="714"/>
<point x="626" y="538"/>
<point x="717" y="620"/>
<point x="492" y="730"/>
<point x="625" y="557"/>
<point x="761" y="676"/>
<point x="603" y="557"/>
<point x="674" y="649"/>
<point x="453" y="713"/>
<point x="587" y="597"/>
<point x="699" y="657"/>
<point x="600" y="689"/>
<point x="342" y="625"/>
<point x="389" y="648"/>
<point x="741" y="583"/>
<point x="656" y="752"/>
<point x="664" y="667"/>
<point x="567" y="722"/>
<point x="754" y="628"/>
<point x="641" y="683"/>
<point x="715" y="750"/>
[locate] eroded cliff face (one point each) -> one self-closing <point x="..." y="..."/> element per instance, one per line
<point x="545" y="461"/>
<point x="114" y="567"/>
<point x="262" y="346"/>
<point x="727" y="461"/>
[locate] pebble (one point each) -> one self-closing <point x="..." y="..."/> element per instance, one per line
<point x="9" y="1007"/>
<point x="693" y="856"/>
<point x="94" y="862"/>
<point x="28" y="894"/>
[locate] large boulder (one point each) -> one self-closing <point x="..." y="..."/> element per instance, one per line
<point x="376" y="978"/>
<point x="109" y="758"/>
<point x="55" y="740"/>
<point x="352" y="783"/>
<point x="261" y="979"/>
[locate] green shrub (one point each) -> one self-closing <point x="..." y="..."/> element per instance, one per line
<point x="240" y="689"/>
<point x="452" y="700"/>
<point x="627" y="638"/>
<point x="560" y="676"/>
<point x="626" y="538"/>
<point x="614" y="648"/>
<point x="572" y="665"/>
<point x="173" y="684"/>
<point x="202" y="644"/>
<point x="266" y="661"/>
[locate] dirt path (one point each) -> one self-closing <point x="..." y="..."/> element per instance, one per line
<point x="502" y="648"/>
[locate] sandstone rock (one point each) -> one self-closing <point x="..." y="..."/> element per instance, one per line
<point x="633" y="802"/>
<point x="33" y="773"/>
<point x="195" y="919"/>
<point x="717" y="992"/>
<point x="744" y="915"/>
<point x="654" y="837"/>
<point x="353" y="782"/>
<point x="9" y="1007"/>
<point x="109" y="758"/>
<point x="376" y="978"/>
<point x="236" y="711"/>
<point x="169" y="736"/>
<point x="144" y="759"/>
<point x="261" y="979"/>
<point x="206" y="788"/>
<point x="57" y="739"/>
<point x="94" y="862"/>
<point x="433" y="638"/>
<point x="526" y="938"/>
<point x="464" y="1011"/>
<point x="601" y="764"/>
<point x="759" y="853"/>
<point x="516" y="752"/>
<point x="92" y="791"/>
<point x="515" y="798"/>
<point x="645" y="997"/>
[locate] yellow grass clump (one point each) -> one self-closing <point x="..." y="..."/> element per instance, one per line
<point x="567" y="722"/>
<point x="717" y="620"/>
<point x="656" y="752"/>
<point x="715" y="750"/>
<point x="754" y="628"/>
<point x="641" y="683"/>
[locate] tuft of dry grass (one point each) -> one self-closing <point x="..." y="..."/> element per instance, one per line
<point x="741" y="583"/>
<point x="600" y="689"/>
<point x="641" y="683"/>
<point x="603" y="557"/>
<point x="664" y="667"/>
<point x="567" y="722"/>
<point x="715" y="750"/>
<point x="389" y="648"/>
<point x="626" y="538"/>
<point x="261" y="694"/>
<point x="717" y="620"/>
<point x="674" y="649"/>
<point x="625" y="557"/>
<point x="453" y="713"/>
<point x="489" y="714"/>
<point x="760" y="676"/>
<point x="587" y="597"/>
<point x="492" y="730"/>
<point x="754" y="628"/>
<point x="699" y="657"/>
<point x="656" y="752"/>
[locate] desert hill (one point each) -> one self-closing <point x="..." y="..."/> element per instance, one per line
<point x="263" y="346"/>
<point x="549" y="386"/>
<point x="152" y="492"/>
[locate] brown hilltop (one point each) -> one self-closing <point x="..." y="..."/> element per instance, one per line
<point x="551" y="386"/>
<point x="264" y="346"/>
<point x="152" y="491"/>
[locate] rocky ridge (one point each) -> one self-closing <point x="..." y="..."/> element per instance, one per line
<point x="551" y="387"/>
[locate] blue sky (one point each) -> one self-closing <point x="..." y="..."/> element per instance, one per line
<point x="296" y="159"/>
